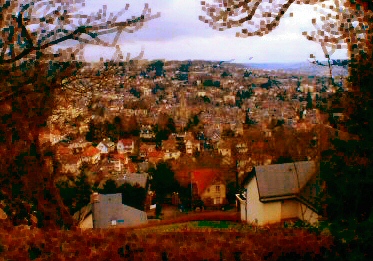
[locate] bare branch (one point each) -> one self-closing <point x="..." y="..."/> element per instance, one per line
<point x="40" y="24"/>
<point x="255" y="17"/>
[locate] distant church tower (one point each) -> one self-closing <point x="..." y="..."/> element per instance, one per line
<point x="183" y="109"/>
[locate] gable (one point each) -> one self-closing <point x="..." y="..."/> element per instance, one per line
<point x="101" y="146"/>
<point x="90" y="152"/>
<point x="125" y="143"/>
<point x="203" y="178"/>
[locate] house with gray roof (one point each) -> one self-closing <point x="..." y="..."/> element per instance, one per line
<point x="279" y="192"/>
<point x="108" y="211"/>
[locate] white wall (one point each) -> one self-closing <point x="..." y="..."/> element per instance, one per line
<point x="289" y="209"/>
<point x="264" y="213"/>
<point x="272" y="212"/>
<point x="306" y="214"/>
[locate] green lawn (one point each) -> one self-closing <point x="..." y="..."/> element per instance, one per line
<point x="197" y="225"/>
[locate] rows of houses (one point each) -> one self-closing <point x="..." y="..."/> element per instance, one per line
<point x="218" y="112"/>
<point x="272" y="193"/>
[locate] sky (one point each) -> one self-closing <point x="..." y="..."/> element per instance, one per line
<point x="179" y="35"/>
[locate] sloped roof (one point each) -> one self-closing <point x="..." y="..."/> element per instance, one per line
<point x="62" y="150"/>
<point x="204" y="178"/>
<point x="155" y="154"/>
<point x="283" y="180"/>
<point x="70" y="159"/>
<point x="91" y="151"/>
<point x="119" y="156"/>
<point x="108" y="143"/>
<point x="109" y="207"/>
<point x="126" y="142"/>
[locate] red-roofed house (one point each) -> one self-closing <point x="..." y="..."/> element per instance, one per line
<point x="118" y="161"/>
<point x="209" y="186"/>
<point x="91" y="155"/>
<point x="145" y="149"/>
<point x="155" y="156"/>
<point x="126" y="146"/>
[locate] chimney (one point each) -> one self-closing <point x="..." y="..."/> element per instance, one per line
<point x="94" y="197"/>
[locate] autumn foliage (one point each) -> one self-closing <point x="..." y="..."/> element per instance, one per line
<point x="183" y="243"/>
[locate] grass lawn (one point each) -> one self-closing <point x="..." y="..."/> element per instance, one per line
<point x="200" y="225"/>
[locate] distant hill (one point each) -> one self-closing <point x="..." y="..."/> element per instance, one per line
<point x="299" y="67"/>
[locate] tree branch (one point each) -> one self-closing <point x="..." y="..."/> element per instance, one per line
<point x="17" y="45"/>
<point x="224" y="15"/>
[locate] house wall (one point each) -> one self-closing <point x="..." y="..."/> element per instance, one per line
<point x="87" y="222"/>
<point x="172" y="155"/>
<point x="289" y="209"/>
<point x="272" y="212"/>
<point x="243" y="210"/>
<point x="96" y="158"/>
<point x="306" y="214"/>
<point x="102" y="148"/>
<point x="212" y="193"/>
<point x="241" y="204"/>
<point x="189" y="147"/>
<point x="260" y="213"/>
<point x="109" y="208"/>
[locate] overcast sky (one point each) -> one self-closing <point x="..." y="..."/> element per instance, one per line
<point x="179" y="35"/>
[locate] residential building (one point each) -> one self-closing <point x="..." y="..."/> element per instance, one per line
<point x="280" y="191"/>
<point x="209" y="186"/>
<point x="106" y="146"/>
<point x="146" y="132"/>
<point x="169" y="147"/>
<point x="51" y="135"/>
<point x="119" y="161"/>
<point x="70" y="163"/>
<point x="108" y="211"/>
<point x="126" y="146"/>
<point x="91" y="155"/>
<point x="191" y="144"/>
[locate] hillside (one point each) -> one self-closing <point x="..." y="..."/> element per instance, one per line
<point x="200" y="240"/>
<point x="300" y="68"/>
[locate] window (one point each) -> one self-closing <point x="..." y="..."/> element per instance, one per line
<point x="113" y="222"/>
<point x="217" y="201"/>
<point x="217" y="188"/>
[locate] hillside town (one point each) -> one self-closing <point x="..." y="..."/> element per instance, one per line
<point x="211" y="122"/>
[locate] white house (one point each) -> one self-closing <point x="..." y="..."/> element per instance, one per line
<point x="191" y="144"/>
<point x="106" y="146"/>
<point x="126" y="146"/>
<point x="280" y="191"/>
